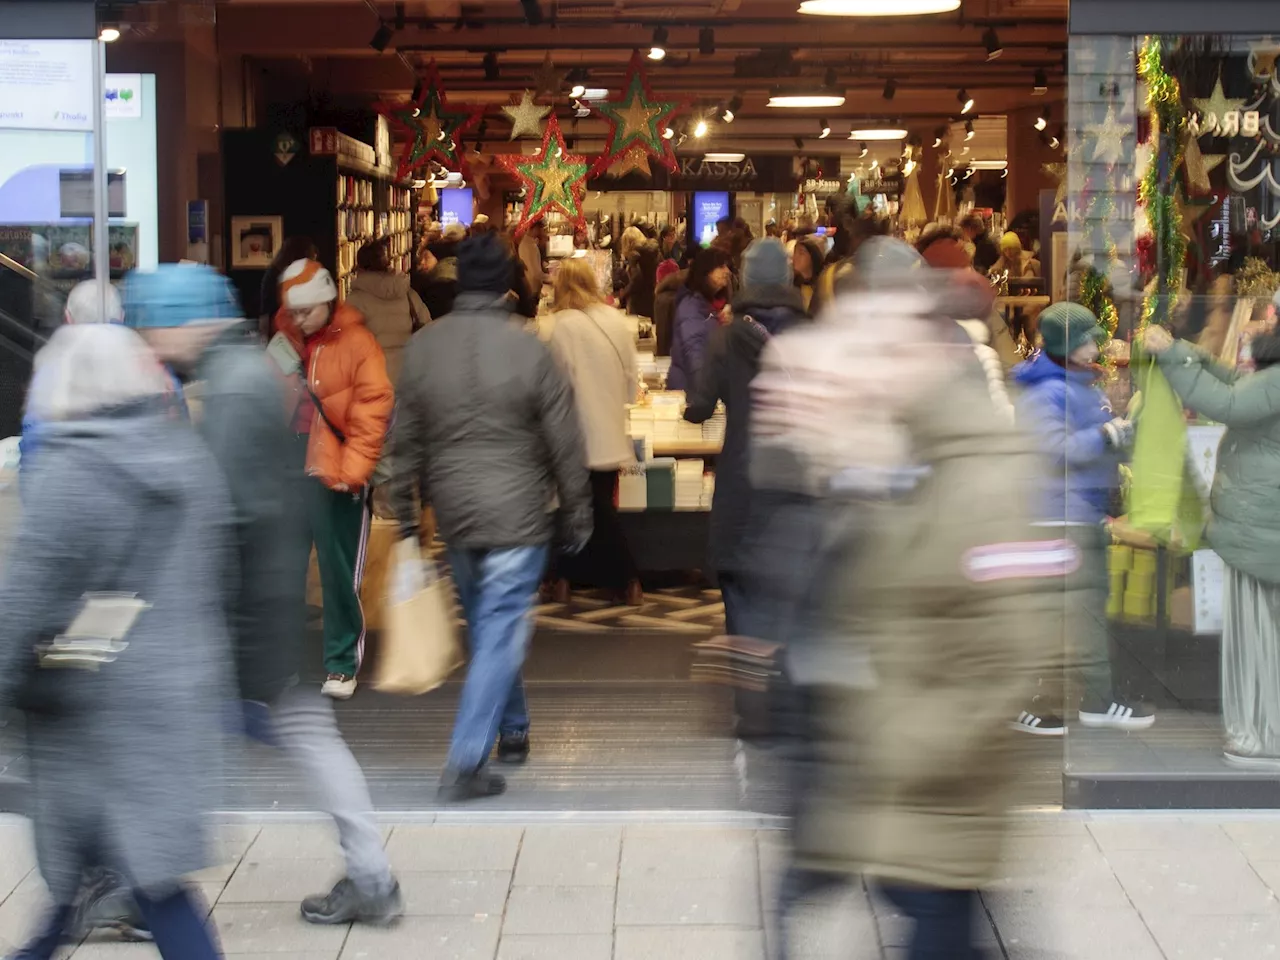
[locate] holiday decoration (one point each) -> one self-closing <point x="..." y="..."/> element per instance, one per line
<point x="1218" y="107"/>
<point x="1108" y="138"/>
<point x="553" y="179"/>
<point x="526" y="116"/>
<point x="431" y="127"/>
<point x="636" y="119"/>
<point x="481" y="165"/>
<point x="634" y="158"/>
<point x="1159" y="189"/>
<point x="1058" y="173"/>
<point x="548" y="80"/>
<point x="1199" y="166"/>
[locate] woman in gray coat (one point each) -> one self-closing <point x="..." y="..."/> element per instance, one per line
<point x="1244" y="530"/>
<point x="113" y="640"/>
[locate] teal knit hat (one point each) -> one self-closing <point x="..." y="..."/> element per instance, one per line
<point x="1065" y="327"/>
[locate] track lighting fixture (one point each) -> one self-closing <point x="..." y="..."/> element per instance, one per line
<point x="968" y="130"/>
<point x="109" y="32"/>
<point x="706" y="41"/>
<point x="862" y="150"/>
<point x="991" y="41"/>
<point x="578" y="78"/>
<point x="1040" y="84"/>
<point x="382" y="38"/>
<point x="700" y="128"/>
<point x="490" y="66"/>
<point x="1042" y="121"/>
<point x="966" y="101"/>
<point x="890" y="89"/>
<point x="731" y="110"/>
<point x="824" y="129"/>
<point x="668" y="133"/>
<point x="939" y="136"/>
<point x="658" y="51"/>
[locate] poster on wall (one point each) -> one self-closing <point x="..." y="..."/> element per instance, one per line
<point x="456" y="206"/>
<point x="46" y="84"/>
<point x="123" y="96"/>
<point x="708" y="207"/>
<point x="254" y="241"/>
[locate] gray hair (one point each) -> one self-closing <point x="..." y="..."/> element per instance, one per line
<point x="86" y="305"/>
<point x="85" y="369"/>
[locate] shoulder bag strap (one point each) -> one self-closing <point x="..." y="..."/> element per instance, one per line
<point x="605" y="333"/>
<point x="342" y="437"/>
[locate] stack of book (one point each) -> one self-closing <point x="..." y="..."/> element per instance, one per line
<point x="688" y="485"/>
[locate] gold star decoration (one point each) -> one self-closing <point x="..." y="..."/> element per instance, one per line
<point x="554" y="179"/>
<point x="1109" y="138"/>
<point x="636" y="118"/>
<point x="1218" y="105"/>
<point x="1199" y="166"/>
<point x="1262" y="60"/>
<point x="548" y="80"/>
<point x="634" y="158"/>
<point x="1058" y="173"/>
<point x="526" y="117"/>
<point x="430" y="127"/>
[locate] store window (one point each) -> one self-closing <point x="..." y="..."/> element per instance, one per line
<point x="1169" y="215"/>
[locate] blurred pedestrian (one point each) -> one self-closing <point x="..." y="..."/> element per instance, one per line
<point x="339" y="426"/>
<point x="637" y="297"/>
<point x="985" y="252"/>
<point x="189" y="314"/>
<point x="1062" y="405"/>
<point x="123" y="731"/>
<point x="1019" y="264"/>
<point x="487" y="431"/>
<point x="807" y="259"/>
<point x="597" y="350"/>
<point x="531" y="251"/>
<point x="698" y="308"/>
<point x="392" y="311"/>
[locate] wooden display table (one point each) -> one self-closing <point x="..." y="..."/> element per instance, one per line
<point x="687" y="448"/>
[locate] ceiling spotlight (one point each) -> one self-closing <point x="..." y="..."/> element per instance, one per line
<point x="668" y="133"/>
<point x="799" y="143"/>
<point x="939" y="136"/>
<point x="991" y="41"/>
<point x="862" y="150"/>
<point x="578" y="77"/>
<point x="908" y="168"/>
<point x="1004" y="173"/>
<point x="581" y="110"/>
<point x="706" y="41"/>
<point x="1042" y="121"/>
<point x="731" y="111"/>
<point x="1040" y="85"/>
<point x="877" y="8"/>
<point x="659" y="49"/>
<point x="490" y="66"/>
<point x="968" y="130"/>
<point x="874" y="163"/>
<point x="532" y="12"/>
<point x="964" y="151"/>
<point x="825" y="129"/>
<point x="109" y="33"/>
<point x="1055" y="139"/>
<point x="700" y="128"/>
<point x="577" y="90"/>
<point x="968" y="173"/>
<point x="890" y="89"/>
<point x="382" y="38"/>
<point x="966" y="101"/>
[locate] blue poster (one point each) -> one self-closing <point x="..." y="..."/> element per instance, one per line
<point x="456" y="206"/>
<point x="707" y="209"/>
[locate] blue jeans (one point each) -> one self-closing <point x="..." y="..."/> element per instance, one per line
<point x="179" y="929"/>
<point x="943" y="921"/>
<point x="496" y="588"/>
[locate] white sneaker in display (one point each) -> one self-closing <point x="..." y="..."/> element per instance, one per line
<point x="1117" y="716"/>
<point x="339" y="686"/>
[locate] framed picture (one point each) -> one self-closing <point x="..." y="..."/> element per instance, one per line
<point x="254" y="241"/>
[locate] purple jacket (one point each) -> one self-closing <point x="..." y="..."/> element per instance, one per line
<point x="691" y="330"/>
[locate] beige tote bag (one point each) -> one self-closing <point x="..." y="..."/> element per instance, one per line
<point x="419" y="645"/>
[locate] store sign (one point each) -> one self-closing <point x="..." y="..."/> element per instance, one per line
<point x="123" y="96"/>
<point x="46" y="84"/>
<point x="285" y="148"/>
<point x="822" y="186"/>
<point x="1233" y="123"/>
<point x="694" y="168"/>
<point x="889" y="186"/>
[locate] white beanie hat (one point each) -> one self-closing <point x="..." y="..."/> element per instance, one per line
<point x="305" y="283"/>
<point x="84" y="305"/>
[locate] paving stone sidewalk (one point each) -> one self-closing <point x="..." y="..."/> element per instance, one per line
<point x="1137" y="887"/>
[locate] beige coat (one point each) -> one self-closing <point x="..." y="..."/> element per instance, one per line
<point x="598" y="351"/>
<point x="392" y="311"/>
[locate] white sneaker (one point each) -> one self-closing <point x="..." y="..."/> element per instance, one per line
<point x="1117" y="716"/>
<point x="339" y="686"/>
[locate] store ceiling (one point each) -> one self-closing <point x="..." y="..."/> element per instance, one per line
<point x="757" y="44"/>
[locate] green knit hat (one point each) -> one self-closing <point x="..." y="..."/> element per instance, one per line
<point x="1065" y="327"/>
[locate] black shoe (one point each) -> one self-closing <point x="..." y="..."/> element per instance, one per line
<point x="108" y="904"/>
<point x="1112" y="715"/>
<point x="513" y="747"/>
<point x="461" y="787"/>
<point x="345" y="903"/>
<point x="1038" y="724"/>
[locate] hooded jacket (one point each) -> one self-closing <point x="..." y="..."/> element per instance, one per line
<point x="347" y="373"/>
<point x="391" y="311"/>
<point x="732" y="361"/>
<point x="487" y="431"/>
<point x="1064" y="410"/>
<point x="128" y="501"/>
<point x="694" y="322"/>
<point x="664" y="310"/>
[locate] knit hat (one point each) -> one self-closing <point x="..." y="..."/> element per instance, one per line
<point x="305" y="283"/>
<point x="84" y="306"/>
<point x="766" y="264"/>
<point x="484" y="264"/>
<point x="947" y="254"/>
<point x="1010" y="241"/>
<point x="178" y="294"/>
<point x="884" y="263"/>
<point x="1066" y="327"/>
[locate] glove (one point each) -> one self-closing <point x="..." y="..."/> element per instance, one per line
<point x="1119" y="433"/>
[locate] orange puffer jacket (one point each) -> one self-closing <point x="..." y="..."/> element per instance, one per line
<point x="348" y="374"/>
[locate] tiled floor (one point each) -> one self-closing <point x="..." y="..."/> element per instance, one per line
<point x="1137" y="887"/>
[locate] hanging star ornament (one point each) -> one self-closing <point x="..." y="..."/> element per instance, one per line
<point x="1109" y="137"/>
<point x="432" y="129"/>
<point x="481" y="167"/>
<point x="526" y="117"/>
<point x="549" y="79"/>
<point x="553" y="179"/>
<point x="1218" y="105"/>
<point x="633" y="159"/>
<point x="636" y="119"/>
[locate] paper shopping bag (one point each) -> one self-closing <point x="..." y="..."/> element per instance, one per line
<point x="420" y="646"/>
<point x="1162" y="500"/>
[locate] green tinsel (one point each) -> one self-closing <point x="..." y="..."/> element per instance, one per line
<point x="1159" y="194"/>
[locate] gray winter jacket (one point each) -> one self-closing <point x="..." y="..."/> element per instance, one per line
<point x="391" y="310"/>
<point x="487" y="431"/>
<point x="133" y="503"/>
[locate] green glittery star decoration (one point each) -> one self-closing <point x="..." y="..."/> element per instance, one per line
<point x="554" y="179"/>
<point x="636" y="119"/>
<point x="430" y="127"/>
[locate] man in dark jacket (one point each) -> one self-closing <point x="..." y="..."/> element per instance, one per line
<point x="487" y="431"/>
<point x="190" y="316"/>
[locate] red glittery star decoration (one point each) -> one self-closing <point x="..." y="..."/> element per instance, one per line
<point x="636" y="119"/>
<point x="553" y="179"/>
<point x="430" y="127"/>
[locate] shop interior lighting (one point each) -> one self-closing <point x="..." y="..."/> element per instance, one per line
<point x="532" y="12"/>
<point x="109" y="33"/>
<point x="731" y="110"/>
<point x="801" y="99"/>
<point x="968" y="173"/>
<point x="700" y="128"/>
<point x="1004" y="173"/>
<point x="1042" y="121"/>
<point x="581" y="110"/>
<point x="877" y="8"/>
<point x="659" y="49"/>
<point x="988" y="164"/>
<point x="908" y="168"/>
<point x="966" y="101"/>
<point x="878" y="133"/>
<point x="578" y="77"/>
<point x="890" y="89"/>
<point x="490" y="66"/>
<point x="382" y="38"/>
<point x="724" y="157"/>
<point x="668" y="133"/>
<point x="991" y="41"/>
<point x="951" y="171"/>
<point x="939" y="136"/>
<point x="1040" y="85"/>
<point x="968" y="130"/>
<point x="706" y="41"/>
<point x="862" y="150"/>
<point x="874" y="163"/>
<point x="824" y="129"/>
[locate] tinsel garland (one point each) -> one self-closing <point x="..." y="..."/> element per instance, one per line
<point x="1159" y="190"/>
<point x="1095" y="289"/>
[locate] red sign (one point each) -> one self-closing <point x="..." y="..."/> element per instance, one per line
<point x="324" y="141"/>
